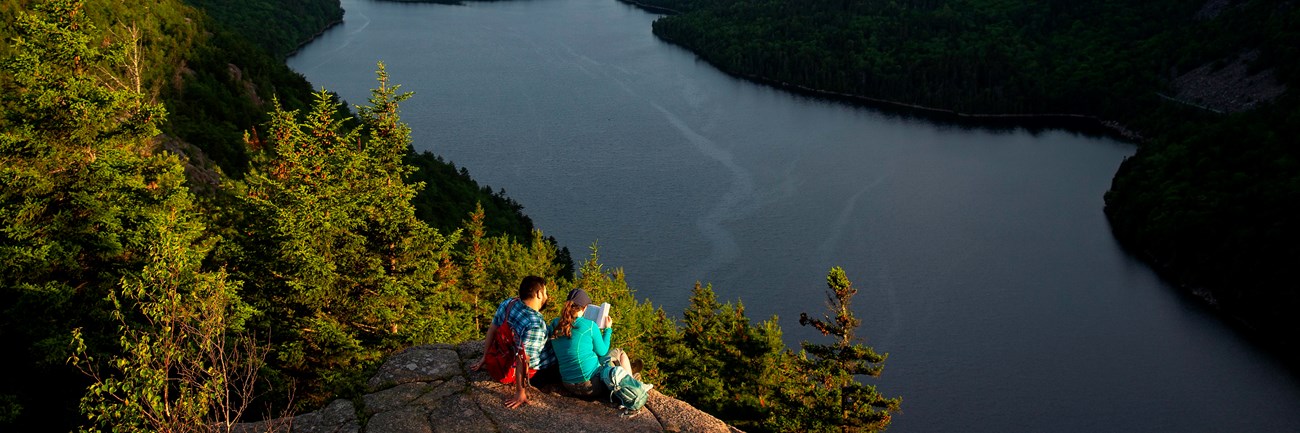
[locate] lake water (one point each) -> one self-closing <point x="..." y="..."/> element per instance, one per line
<point x="984" y="262"/>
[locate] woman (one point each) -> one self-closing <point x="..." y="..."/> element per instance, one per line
<point x="580" y="346"/>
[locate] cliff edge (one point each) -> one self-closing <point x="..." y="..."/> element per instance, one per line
<point x="430" y="389"/>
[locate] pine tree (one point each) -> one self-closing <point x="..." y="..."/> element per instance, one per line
<point x="834" y="399"/>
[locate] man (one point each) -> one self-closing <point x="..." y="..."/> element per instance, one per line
<point x="531" y="332"/>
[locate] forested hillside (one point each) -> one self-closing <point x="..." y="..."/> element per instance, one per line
<point x="279" y="26"/>
<point x="1212" y="197"/>
<point x="190" y="237"/>
<point x="174" y="90"/>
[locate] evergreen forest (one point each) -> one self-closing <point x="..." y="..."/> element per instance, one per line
<point x="1211" y="200"/>
<point x="191" y="236"/>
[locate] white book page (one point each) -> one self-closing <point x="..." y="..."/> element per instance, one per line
<point x="597" y="313"/>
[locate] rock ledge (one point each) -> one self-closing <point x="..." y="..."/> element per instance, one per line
<point x="426" y="389"/>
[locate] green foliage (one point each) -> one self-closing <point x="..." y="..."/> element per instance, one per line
<point x="977" y="56"/>
<point x="81" y="183"/>
<point x="9" y="408"/>
<point x="277" y="26"/>
<point x="450" y="194"/>
<point x="339" y="267"/>
<point x="219" y="87"/>
<point x="1215" y="207"/>
<point x="741" y="372"/>
<point x="833" y="399"/>
<point x="179" y="369"/>
<point x="726" y="366"/>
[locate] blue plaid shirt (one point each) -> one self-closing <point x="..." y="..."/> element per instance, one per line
<point x="530" y="330"/>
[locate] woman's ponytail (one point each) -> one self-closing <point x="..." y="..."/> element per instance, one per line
<point x="570" y="313"/>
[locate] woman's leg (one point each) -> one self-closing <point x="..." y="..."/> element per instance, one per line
<point x="623" y="361"/>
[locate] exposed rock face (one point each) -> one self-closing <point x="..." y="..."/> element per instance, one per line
<point x="427" y="389"/>
<point x="1212" y="8"/>
<point x="1231" y="88"/>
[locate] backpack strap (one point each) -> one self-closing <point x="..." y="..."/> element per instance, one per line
<point x="512" y="303"/>
<point x="519" y="345"/>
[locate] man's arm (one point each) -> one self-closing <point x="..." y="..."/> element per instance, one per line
<point x="491" y="332"/>
<point x="521" y="394"/>
<point x="498" y="319"/>
<point x="533" y="341"/>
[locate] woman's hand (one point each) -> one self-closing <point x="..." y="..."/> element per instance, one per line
<point x="609" y="321"/>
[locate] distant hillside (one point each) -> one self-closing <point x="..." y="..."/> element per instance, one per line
<point x="1212" y="197"/>
<point x="279" y="26"/>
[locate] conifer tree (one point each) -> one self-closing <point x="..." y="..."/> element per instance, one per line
<point x="80" y="181"/>
<point x="181" y="367"/>
<point x="725" y="364"/>
<point x="474" y="279"/>
<point x="834" y="399"/>
<point x="508" y="261"/>
<point x="340" y="268"/>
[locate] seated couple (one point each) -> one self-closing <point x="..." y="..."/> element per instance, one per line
<point x="570" y="350"/>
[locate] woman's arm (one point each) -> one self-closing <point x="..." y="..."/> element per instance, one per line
<point x="600" y="339"/>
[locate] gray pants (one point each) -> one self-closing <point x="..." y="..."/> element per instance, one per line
<point x="596" y="387"/>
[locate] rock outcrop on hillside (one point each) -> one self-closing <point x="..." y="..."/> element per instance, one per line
<point x="1230" y="86"/>
<point x="430" y="389"/>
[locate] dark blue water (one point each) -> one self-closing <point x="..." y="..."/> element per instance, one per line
<point x="984" y="263"/>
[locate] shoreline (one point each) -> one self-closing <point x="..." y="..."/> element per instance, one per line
<point x="312" y="38"/>
<point x="1268" y="340"/>
<point x="1081" y="123"/>
<point x="651" y="8"/>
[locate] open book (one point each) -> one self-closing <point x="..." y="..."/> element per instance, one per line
<point x="597" y="313"/>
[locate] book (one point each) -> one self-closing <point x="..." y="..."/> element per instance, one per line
<point x="597" y="313"/>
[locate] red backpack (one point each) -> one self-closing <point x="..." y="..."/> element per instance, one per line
<point x="501" y="352"/>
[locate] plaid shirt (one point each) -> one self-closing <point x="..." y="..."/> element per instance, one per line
<point x="530" y="329"/>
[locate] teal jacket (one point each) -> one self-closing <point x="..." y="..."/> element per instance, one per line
<point x="579" y="354"/>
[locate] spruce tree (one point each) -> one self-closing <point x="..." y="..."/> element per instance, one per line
<point x="80" y="182"/>
<point x="834" y="399"/>
<point x="182" y="366"/>
<point x="338" y="266"/>
<point x="726" y="365"/>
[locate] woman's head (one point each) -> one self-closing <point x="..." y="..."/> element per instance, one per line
<point x="574" y="305"/>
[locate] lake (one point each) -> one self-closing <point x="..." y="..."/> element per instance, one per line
<point x="984" y="264"/>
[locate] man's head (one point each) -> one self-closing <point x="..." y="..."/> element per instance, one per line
<point x="533" y="287"/>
